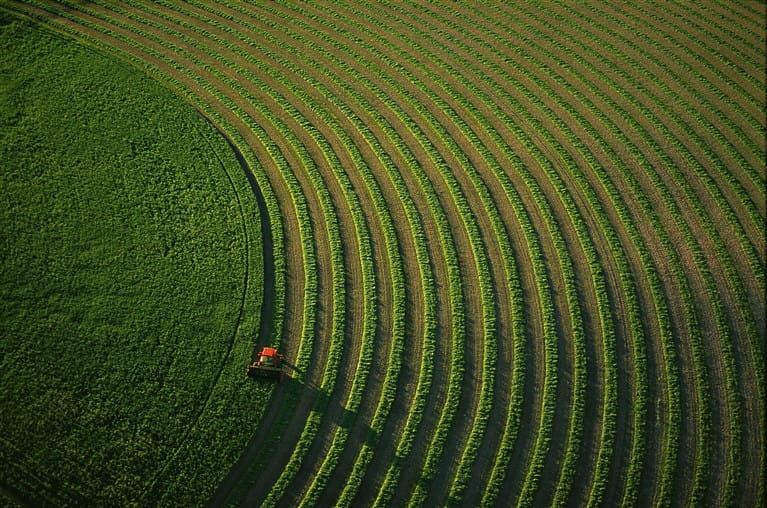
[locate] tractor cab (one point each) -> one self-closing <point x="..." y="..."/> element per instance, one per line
<point x="268" y="364"/>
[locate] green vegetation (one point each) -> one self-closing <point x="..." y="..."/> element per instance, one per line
<point x="130" y="285"/>
<point x="519" y="250"/>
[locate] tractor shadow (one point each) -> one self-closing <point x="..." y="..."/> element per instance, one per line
<point x="335" y="413"/>
<point x="280" y="429"/>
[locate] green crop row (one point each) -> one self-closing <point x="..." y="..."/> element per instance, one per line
<point x="635" y="324"/>
<point x="458" y="96"/>
<point x="488" y="317"/>
<point x="486" y="394"/>
<point x="733" y="38"/>
<point x="627" y="221"/>
<point x="434" y="155"/>
<point x="725" y="116"/>
<point x="725" y="64"/>
<point x="729" y="41"/>
<point x="702" y="393"/>
<point x="462" y="476"/>
<point x="753" y="257"/>
<point x="751" y="17"/>
<point x="697" y="166"/>
<point x="616" y="201"/>
<point x="411" y="79"/>
<point x="456" y="370"/>
<point x="413" y="163"/>
<point x="705" y="272"/>
<point x="656" y="282"/>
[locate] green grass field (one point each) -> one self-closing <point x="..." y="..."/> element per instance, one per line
<point x="123" y="283"/>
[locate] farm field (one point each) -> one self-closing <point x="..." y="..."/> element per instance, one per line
<point x="125" y="313"/>
<point x="514" y="254"/>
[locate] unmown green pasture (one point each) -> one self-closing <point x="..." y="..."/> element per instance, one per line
<point x="130" y="283"/>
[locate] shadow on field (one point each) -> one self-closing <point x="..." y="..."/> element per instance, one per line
<point x="344" y="417"/>
<point x="272" y="444"/>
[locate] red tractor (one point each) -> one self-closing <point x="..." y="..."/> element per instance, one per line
<point x="269" y="364"/>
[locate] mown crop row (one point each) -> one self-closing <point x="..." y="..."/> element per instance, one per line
<point x="568" y="470"/>
<point x="723" y="115"/>
<point x="489" y="356"/>
<point x="712" y="162"/>
<point x="626" y="221"/>
<point x="453" y="116"/>
<point x="699" y="483"/>
<point x="724" y="256"/>
<point x="733" y="70"/>
<point x="425" y="372"/>
<point x="454" y="151"/>
<point x="616" y="203"/>
<point x="486" y="304"/>
<point x="580" y="367"/>
<point x="722" y="253"/>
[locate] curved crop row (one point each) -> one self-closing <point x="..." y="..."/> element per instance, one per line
<point x="366" y="257"/>
<point x="460" y="482"/>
